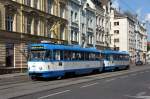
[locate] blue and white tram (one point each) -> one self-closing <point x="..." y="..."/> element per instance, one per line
<point x="115" y="60"/>
<point x="53" y="60"/>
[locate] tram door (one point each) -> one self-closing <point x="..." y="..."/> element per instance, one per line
<point x="10" y="55"/>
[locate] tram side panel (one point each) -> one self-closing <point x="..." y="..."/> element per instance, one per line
<point x="82" y="67"/>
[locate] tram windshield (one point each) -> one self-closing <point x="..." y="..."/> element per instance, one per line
<point x="37" y="55"/>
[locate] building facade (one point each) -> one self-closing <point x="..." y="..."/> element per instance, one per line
<point x="89" y="22"/>
<point x="141" y="41"/>
<point x="74" y="8"/>
<point x="128" y="35"/>
<point x="23" y="22"/>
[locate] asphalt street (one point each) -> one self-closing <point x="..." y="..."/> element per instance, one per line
<point x="129" y="85"/>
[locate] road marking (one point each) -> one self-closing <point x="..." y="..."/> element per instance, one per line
<point x="133" y="74"/>
<point x="146" y="71"/>
<point x="142" y="72"/>
<point x="124" y="76"/>
<point x="88" y="85"/>
<point x="54" y="94"/>
<point x="110" y="79"/>
<point x="141" y="94"/>
<point x="143" y="97"/>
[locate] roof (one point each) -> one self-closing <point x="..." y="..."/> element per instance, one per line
<point x="114" y="52"/>
<point x="61" y="47"/>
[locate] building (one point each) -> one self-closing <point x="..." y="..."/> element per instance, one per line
<point x="74" y="10"/>
<point x="100" y="32"/>
<point x="89" y="22"/>
<point x="141" y="41"/>
<point x="86" y="23"/>
<point x="107" y="23"/>
<point x="23" y="22"/>
<point x="128" y="35"/>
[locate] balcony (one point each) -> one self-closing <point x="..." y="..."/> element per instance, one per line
<point x="90" y="29"/>
<point x="100" y="43"/>
<point x="74" y="42"/>
<point x="75" y="24"/>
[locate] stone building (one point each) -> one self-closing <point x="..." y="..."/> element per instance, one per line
<point x="23" y="22"/>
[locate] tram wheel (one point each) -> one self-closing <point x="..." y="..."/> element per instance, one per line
<point x="34" y="78"/>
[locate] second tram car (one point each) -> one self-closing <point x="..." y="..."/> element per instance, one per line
<point x="115" y="60"/>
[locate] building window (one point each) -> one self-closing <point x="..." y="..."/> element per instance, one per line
<point x="91" y="39"/>
<point x="49" y="2"/>
<point x="9" y="23"/>
<point x="28" y="2"/>
<point x="71" y="15"/>
<point x="82" y="29"/>
<point x="75" y="17"/>
<point x="29" y="21"/>
<point x="36" y="3"/>
<point x="36" y="27"/>
<point x="116" y="40"/>
<point x="117" y="48"/>
<point x="91" y="23"/>
<point x="88" y="23"/>
<point x="76" y="36"/>
<point x="116" y="31"/>
<point x="62" y="32"/>
<point x="62" y="11"/>
<point x="0" y="20"/>
<point x="71" y="35"/>
<point x="116" y="23"/>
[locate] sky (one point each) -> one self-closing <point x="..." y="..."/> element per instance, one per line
<point x="139" y="7"/>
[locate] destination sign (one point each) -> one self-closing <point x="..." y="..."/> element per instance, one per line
<point x="37" y="47"/>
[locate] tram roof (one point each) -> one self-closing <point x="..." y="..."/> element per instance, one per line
<point x="114" y="52"/>
<point x="64" y="47"/>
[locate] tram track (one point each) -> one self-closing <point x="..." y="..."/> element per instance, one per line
<point x="29" y="86"/>
<point x="6" y="84"/>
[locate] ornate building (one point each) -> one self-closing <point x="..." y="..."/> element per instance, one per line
<point x="23" y="22"/>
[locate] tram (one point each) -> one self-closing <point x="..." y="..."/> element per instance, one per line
<point x="115" y="60"/>
<point x="48" y="60"/>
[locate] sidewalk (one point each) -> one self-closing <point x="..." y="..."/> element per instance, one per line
<point x="12" y="75"/>
<point x="25" y="74"/>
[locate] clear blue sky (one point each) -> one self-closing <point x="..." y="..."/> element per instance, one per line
<point x="140" y="7"/>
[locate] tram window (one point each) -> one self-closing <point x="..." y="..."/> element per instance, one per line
<point x="82" y="56"/>
<point x="37" y="55"/>
<point x="57" y="55"/>
<point x="86" y="56"/>
<point x="107" y="57"/>
<point x="92" y="56"/>
<point x="116" y="57"/>
<point x="102" y="56"/>
<point x="78" y="56"/>
<point x="48" y="55"/>
<point x="111" y="57"/>
<point x="67" y="55"/>
<point x="73" y="56"/>
<point x="98" y="56"/>
<point x="121" y="57"/>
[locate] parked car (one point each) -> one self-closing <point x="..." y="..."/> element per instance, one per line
<point x="139" y="63"/>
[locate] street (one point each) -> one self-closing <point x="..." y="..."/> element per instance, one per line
<point x="127" y="84"/>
